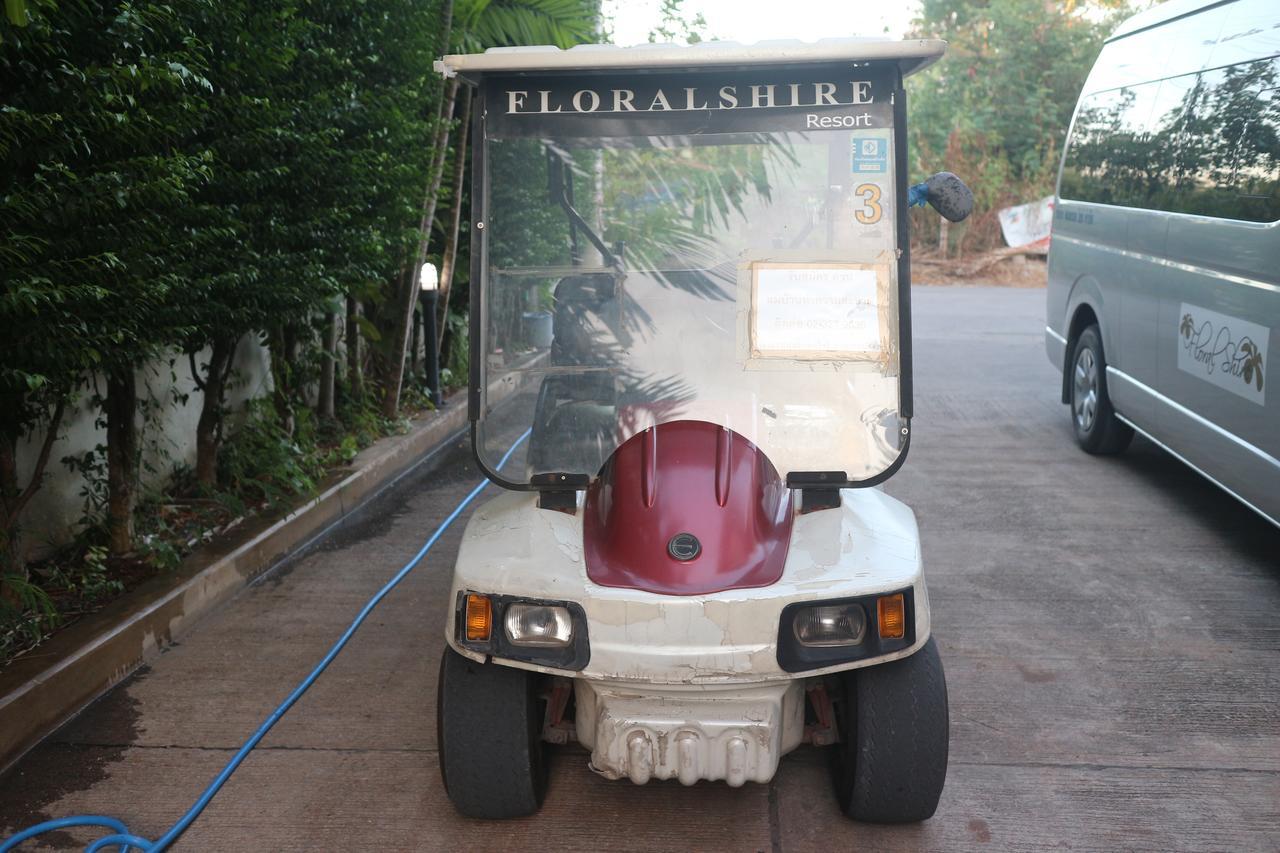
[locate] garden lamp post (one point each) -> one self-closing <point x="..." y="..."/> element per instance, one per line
<point x="429" y="282"/>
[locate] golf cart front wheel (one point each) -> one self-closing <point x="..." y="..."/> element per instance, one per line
<point x="489" y="729"/>
<point x="892" y="760"/>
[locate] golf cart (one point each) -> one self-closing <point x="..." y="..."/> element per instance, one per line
<point x="690" y="319"/>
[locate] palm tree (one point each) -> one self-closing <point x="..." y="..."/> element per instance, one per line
<point x="472" y="25"/>
<point x="1187" y="327"/>
<point x="503" y="23"/>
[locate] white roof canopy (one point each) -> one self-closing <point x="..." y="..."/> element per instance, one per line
<point x="910" y="54"/>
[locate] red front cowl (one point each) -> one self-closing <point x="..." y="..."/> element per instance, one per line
<point x="687" y="477"/>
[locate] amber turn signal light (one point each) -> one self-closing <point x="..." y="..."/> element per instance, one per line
<point x="479" y="617"/>
<point x="892" y="613"/>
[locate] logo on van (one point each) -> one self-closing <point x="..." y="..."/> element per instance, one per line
<point x="1227" y="351"/>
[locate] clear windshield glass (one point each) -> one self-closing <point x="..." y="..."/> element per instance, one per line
<point x="747" y="279"/>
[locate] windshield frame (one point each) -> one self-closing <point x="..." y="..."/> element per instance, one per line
<point x="478" y="390"/>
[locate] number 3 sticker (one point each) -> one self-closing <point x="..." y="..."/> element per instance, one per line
<point x="871" y="212"/>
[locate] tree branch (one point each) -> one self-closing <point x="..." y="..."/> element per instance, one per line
<point x="42" y="461"/>
<point x="195" y="371"/>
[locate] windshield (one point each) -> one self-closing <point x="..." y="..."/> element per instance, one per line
<point x="744" y="278"/>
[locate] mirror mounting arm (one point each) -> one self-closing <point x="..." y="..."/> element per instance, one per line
<point x="561" y="197"/>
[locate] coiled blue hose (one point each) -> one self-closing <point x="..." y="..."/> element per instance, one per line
<point x="125" y="841"/>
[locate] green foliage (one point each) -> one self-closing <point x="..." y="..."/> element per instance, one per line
<point x="178" y="175"/>
<point x="30" y="607"/>
<point x="94" y="99"/>
<point x="1013" y="71"/>
<point x="93" y="582"/>
<point x="498" y="23"/>
<point x="265" y="463"/>
<point x="344" y="452"/>
<point x="996" y="108"/>
<point x="675" y="25"/>
<point x="26" y="614"/>
<point x="455" y="370"/>
<point x="91" y="465"/>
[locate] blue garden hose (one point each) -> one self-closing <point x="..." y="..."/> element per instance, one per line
<point x="125" y="841"/>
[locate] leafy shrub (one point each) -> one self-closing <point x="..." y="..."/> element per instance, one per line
<point x="27" y="613"/>
<point x="263" y="462"/>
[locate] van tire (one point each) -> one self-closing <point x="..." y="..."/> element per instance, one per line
<point x="891" y="765"/>
<point x="1093" y="418"/>
<point x="489" y="732"/>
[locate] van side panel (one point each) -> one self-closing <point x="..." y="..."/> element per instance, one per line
<point x="1219" y="330"/>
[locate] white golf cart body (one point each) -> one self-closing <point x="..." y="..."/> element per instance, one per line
<point x="689" y="687"/>
<point x="680" y="685"/>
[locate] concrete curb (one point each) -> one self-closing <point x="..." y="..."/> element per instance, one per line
<point x="42" y="690"/>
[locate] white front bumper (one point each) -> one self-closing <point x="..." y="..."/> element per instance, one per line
<point x="736" y="735"/>
<point x="868" y="545"/>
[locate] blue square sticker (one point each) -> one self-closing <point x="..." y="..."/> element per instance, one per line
<point x="870" y="155"/>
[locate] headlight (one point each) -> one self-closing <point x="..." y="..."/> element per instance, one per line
<point x="540" y="625"/>
<point x="817" y="634"/>
<point x="832" y="625"/>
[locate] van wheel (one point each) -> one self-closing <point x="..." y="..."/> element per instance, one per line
<point x="489" y="731"/>
<point x="892" y="762"/>
<point x="1097" y="428"/>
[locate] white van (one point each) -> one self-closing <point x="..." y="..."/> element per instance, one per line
<point x="1164" y="276"/>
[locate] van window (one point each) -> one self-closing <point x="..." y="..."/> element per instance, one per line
<point x="1229" y="152"/>
<point x="1206" y="144"/>
<point x="1109" y="159"/>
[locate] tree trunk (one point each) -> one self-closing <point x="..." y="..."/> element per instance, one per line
<point x="284" y="355"/>
<point x="10" y="547"/>
<point x="329" y="342"/>
<point x="355" y="370"/>
<point x="450" y="256"/>
<point x="122" y="459"/>
<point x="13" y="498"/>
<point x="213" y="386"/>
<point x="409" y="279"/>
<point x="944" y="236"/>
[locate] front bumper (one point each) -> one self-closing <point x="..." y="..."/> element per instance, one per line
<point x="869" y="545"/>
<point x="733" y="734"/>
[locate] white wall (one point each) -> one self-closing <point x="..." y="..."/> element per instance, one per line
<point x="51" y="518"/>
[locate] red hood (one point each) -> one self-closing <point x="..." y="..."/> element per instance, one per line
<point x="693" y="478"/>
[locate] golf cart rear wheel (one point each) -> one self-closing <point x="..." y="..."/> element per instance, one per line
<point x="892" y="761"/>
<point x="489" y="726"/>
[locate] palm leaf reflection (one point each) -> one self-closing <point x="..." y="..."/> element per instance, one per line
<point x="678" y="208"/>
<point x="675" y="203"/>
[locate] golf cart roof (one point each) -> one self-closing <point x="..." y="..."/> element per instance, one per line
<point x="910" y="54"/>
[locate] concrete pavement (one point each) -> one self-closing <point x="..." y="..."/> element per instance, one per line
<point x="1109" y="629"/>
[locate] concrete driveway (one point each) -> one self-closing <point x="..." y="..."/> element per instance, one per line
<point x="1110" y="630"/>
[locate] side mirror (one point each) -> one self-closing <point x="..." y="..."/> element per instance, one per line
<point x="948" y="195"/>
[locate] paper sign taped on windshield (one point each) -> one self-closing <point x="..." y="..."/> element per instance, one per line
<point x="819" y="311"/>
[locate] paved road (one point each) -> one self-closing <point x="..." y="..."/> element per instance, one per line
<point x="1110" y="629"/>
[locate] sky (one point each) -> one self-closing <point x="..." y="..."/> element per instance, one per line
<point x="752" y="20"/>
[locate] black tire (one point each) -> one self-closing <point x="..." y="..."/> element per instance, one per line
<point x="489" y="730"/>
<point x="1096" y="426"/>
<point x="892" y="762"/>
